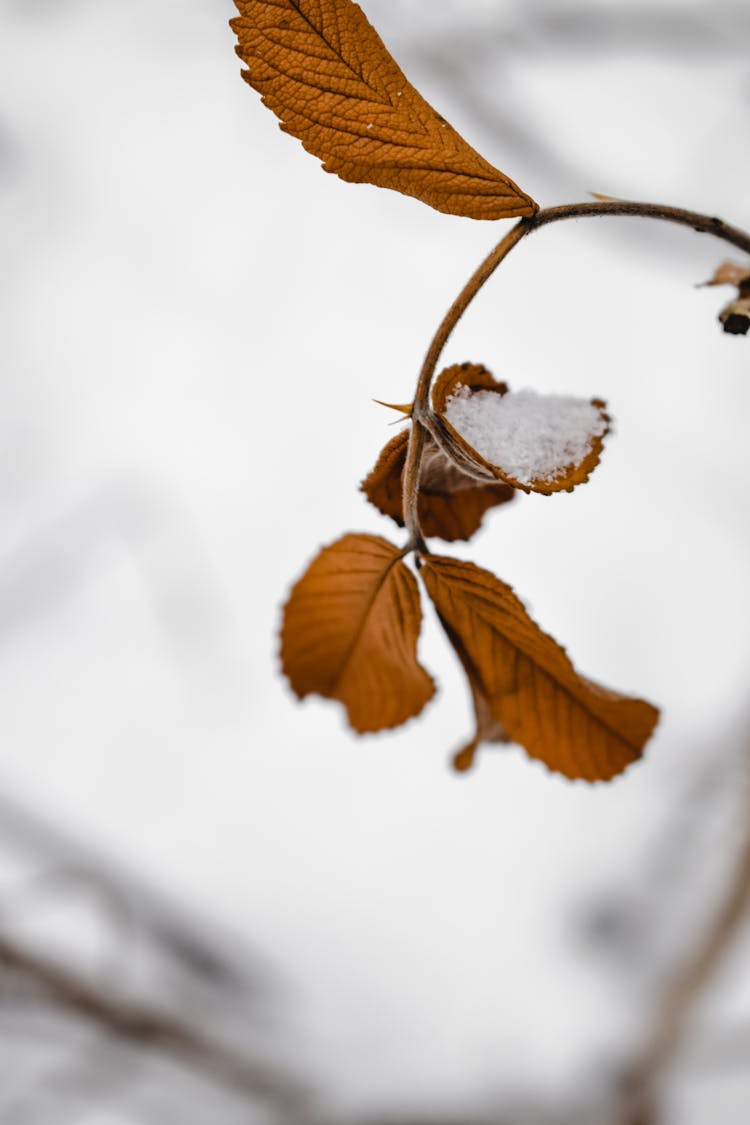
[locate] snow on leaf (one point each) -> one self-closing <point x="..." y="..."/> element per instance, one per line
<point x="538" y="443"/>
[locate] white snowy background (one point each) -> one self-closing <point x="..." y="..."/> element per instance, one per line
<point x="194" y="321"/>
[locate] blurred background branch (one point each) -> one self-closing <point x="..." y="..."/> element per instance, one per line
<point x="143" y="438"/>
<point x="684" y="985"/>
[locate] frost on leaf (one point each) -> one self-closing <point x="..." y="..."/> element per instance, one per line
<point x="538" y="443"/>
<point x="324" y="71"/>
<point x="451" y="504"/>
<point x="350" y="632"/>
<point x="735" y="317"/>
<point x="529" y="686"/>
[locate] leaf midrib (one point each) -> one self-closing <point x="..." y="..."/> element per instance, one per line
<point x="319" y="32"/>
<point x="561" y="686"/>
<point x="348" y="655"/>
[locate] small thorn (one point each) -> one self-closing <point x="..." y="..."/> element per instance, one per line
<point x="405" y="409"/>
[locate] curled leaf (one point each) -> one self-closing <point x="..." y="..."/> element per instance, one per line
<point x="486" y="729"/>
<point x="350" y="632"/>
<point x="735" y="317"/>
<point x="730" y="273"/>
<point x="451" y="504"/>
<point x="324" y="71"/>
<point x="531" y="688"/>
<point x="486" y="726"/>
<point x="538" y="443"/>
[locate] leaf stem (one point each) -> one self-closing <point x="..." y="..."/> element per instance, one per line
<point x="703" y="224"/>
<point x="417" y="438"/>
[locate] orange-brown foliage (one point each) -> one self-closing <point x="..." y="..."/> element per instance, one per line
<point x="350" y="633"/>
<point x="324" y="71"/>
<point x="528" y="682"/>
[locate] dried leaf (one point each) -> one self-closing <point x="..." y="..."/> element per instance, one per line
<point x="324" y="71"/>
<point x="486" y="726"/>
<point x="451" y="504"/>
<point x="735" y="317"/>
<point x="486" y="729"/>
<point x="350" y="633"/>
<point x="576" y="727"/>
<point x="560" y="475"/>
<point x="731" y="273"/>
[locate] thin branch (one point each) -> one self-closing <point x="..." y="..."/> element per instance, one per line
<point x="686" y="988"/>
<point x="412" y="467"/>
<point x="703" y="224"/>
<point x="220" y="961"/>
<point x="150" y="1029"/>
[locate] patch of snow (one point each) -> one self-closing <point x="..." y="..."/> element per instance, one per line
<point x="531" y="437"/>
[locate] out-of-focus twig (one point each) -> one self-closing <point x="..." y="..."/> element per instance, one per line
<point x="234" y="971"/>
<point x="581" y="27"/>
<point x="153" y="1030"/>
<point x="643" y="1077"/>
<point x="477" y="59"/>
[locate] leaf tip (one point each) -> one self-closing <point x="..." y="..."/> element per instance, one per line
<point x="464" y="759"/>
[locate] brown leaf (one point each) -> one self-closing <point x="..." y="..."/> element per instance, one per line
<point x="325" y="73"/>
<point x="465" y="380"/>
<point x="735" y="317"/>
<point x="731" y="273"/>
<point x="576" y="727"/>
<point x="451" y="504"/>
<point x="486" y="729"/>
<point x="486" y="726"/>
<point x="350" y="633"/>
